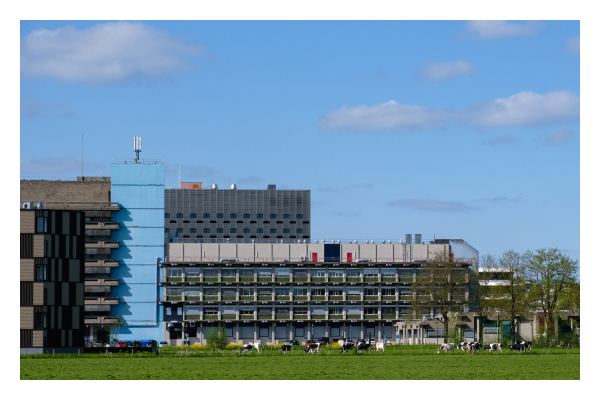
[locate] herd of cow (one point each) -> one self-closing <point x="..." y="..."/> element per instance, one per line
<point x="470" y="347"/>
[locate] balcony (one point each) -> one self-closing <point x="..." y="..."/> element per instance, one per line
<point x="211" y="279"/>
<point x="192" y="317"/>
<point x="371" y="316"/>
<point x="101" y="244"/>
<point x="300" y="279"/>
<point x="282" y="298"/>
<point x="283" y="279"/>
<point x="107" y="320"/>
<point x="336" y="298"/>
<point x="265" y="317"/>
<point x="247" y="317"/>
<point x="102" y="263"/>
<point x="371" y="298"/>
<point x="300" y="298"/>
<point x="405" y="279"/>
<point x="300" y="316"/>
<point x="282" y="316"/>
<point x="353" y="298"/>
<point x="388" y="279"/>
<point x="388" y="298"/>
<point x="247" y="279"/>
<point x="102" y="282"/>
<point x="317" y="298"/>
<point x="246" y="298"/>
<point x="193" y="298"/>
<point x="211" y="298"/>
<point x="192" y="279"/>
<point x="336" y="279"/>
<point x="102" y="225"/>
<point x="265" y="298"/>
<point x="371" y="279"/>
<point x="174" y="298"/>
<point x="228" y="298"/>
<point x="388" y="316"/>
<point x="228" y="279"/>
<point x="211" y="317"/>
<point x="336" y="316"/>
<point x="318" y="316"/>
<point x="354" y="279"/>
<point x="265" y="279"/>
<point x="318" y="279"/>
<point x="112" y="301"/>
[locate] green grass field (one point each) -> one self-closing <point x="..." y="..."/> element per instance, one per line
<point x="175" y="364"/>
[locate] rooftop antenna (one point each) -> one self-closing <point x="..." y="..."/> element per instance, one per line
<point x="82" y="156"/>
<point x="137" y="147"/>
<point x="180" y="176"/>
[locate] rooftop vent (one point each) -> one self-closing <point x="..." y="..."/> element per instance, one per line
<point x="214" y="186"/>
<point x="233" y="187"/>
<point x="271" y="187"/>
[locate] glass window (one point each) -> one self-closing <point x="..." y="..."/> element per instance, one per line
<point x="192" y="230"/>
<point x="206" y="215"/>
<point x="219" y="215"/>
<point x="179" y="215"/>
<point x="42" y="224"/>
<point x="300" y="292"/>
<point x="273" y="230"/>
<point x="232" y="230"/>
<point x="192" y="215"/>
<point x="167" y="230"/>
<point x="335" y="292"/>
<point x="371" y="272"/>
<point x="168" y="309"/>
<point x="298" y="230"/>
<point x="219" y="230"/>
<point x="388" y="292"/>
<point x="317" y="292"/>
<point x="232" y="215"/>
<point x="319" y="273"/>
<point x="388" y="272"/>
<point x="246" y="230"/>
<point x="167" y="215"/>
<point x="246" y="291"/>
<point x="282" y="292"/>
<point x="273" y="216"/>
<point x="370" y="310"/>
<point x="259" y="216"/>
<point x="174" y="271"/>
<point x="300" y="310"/>
<point x="370" y="292"/>
<point x="246" y="215"/>
<point x="336" y="273"/>
<point x="286" y="230"/>
<point x="205" y="230"/>
<point x="45" y="248"/>
<point x="259" y="230"/>
<point x="336" y="311"/>
<point x="40" y="272"/>
<point x="298" y="216"/>
<point x="286" y="216"/>
<point x="179" y="230"/>
<point x="192" y="272"/>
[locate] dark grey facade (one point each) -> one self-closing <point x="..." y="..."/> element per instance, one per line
<point x="240" y="216"/>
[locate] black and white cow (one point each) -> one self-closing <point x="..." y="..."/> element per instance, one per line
<point x="526" y="344"/>
<point x="251" y="347"/>
<point x="473" y="347"/>
<point x="463" y="346"/>
<point x="346" y="347"/>
<point x="517" y="347"/>
<point x="494" y="346"/>
<point x="286" y="347"/>
<point x="362" y="346"/>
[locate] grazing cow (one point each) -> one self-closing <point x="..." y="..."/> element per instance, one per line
<point x="250" y="347"/>
<point x="446" y="347"/>
<point x="517" y="347"/>
<point x="362" y="346"/>
<point x="380" y="346"/>
<point x="311" y="347"/>
<point x="463" y="346"/>
<point x="346" y="347"/>
<point x="286" y="347"/>
<point x="494" y="346"/>
<point x="473" y="347"/>
<point x="526" y="344"/>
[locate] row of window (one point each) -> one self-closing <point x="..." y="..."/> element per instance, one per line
<point x="234" y="230"/>
<point x="234" y="215"/>
<point x="195" y="310"/>
<point x="286" y="292"/>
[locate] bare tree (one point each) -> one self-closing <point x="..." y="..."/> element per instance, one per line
<point x="512" y="291"/>
<point x="441" y="287"/>
<point x="551" y="274"/>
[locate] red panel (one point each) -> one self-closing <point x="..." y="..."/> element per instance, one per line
<point x="315" y="259"/>
<point x="349" y="257"/>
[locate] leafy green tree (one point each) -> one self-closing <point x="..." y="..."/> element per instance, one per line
<point x="217" y="338"/>
<point x="512" y="294"/>
<point x="551" y="274"/>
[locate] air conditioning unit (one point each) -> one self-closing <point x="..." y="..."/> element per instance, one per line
<point x="27" y="205"/>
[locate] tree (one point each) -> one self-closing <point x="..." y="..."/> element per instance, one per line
<point x="217" y="339"/>
<point x="551" y="274"/>
<point x="512" y="294"/>
<point x="486" y="272"/>
<point x="571" y="300"/>
<point x="441" y="287"/>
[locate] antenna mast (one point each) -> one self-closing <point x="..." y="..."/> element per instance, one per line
<point x="137" y="147"/>
<point x="82" y="156"/>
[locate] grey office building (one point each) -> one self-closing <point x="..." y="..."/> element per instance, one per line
<point x="212" y="215"/>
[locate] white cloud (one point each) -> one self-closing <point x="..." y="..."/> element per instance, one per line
<point x="502" y="29"/>
<point x="572" y="45"/>
<point x="449" y="70"/>
<point x="521" y="109"/>
<point x="559" y="136"/>
<point x="108" y="52"/>
<point x="387" y="116"/>
<point x="431" y="205"/>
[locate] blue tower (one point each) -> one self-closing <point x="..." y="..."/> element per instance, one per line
<point x="139" y="187"/>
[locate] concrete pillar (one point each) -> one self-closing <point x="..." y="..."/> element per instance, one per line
<point x="273" y="332"/>
<point x="379" y="327"/>
<point x="326" y="329"/>
<point x="291" y="330"/>
<point x="237" y="332"/>
<point x="255" y="332"/>
<point x="362" y="328"/>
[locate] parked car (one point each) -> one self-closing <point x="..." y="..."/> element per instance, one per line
<point x="312" y="341"/>
<point x="98" y="343"/>
<point x="324" y="340"/>
<point x="129" y="343"/>
<point x="163" y="344"/>
<point x="137" y="343"/>
<point x="388" y="342"/>
<point x="294" y="342"/>
<point x="121" y="344"/>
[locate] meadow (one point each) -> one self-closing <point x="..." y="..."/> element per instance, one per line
<point x="407" y="362"/>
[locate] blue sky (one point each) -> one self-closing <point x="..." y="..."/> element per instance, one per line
<point x="459" y="129"/>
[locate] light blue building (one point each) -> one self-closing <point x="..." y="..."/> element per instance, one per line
<point x="139" y="188"/>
